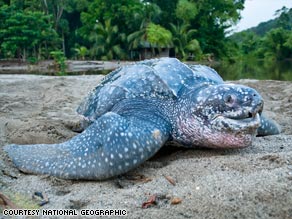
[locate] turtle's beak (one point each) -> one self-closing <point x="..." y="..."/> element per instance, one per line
<point x="257" y="106"/>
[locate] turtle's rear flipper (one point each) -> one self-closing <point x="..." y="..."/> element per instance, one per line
<point x="268" y="127"/>
<point x="112" y="145"/>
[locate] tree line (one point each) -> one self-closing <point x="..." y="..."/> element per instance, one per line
<point x="116" y="29"/>
<point x="271" y="40"/>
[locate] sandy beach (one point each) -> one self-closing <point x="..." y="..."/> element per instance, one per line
<point x="254" y="182"/>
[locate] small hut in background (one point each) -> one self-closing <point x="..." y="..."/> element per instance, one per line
<point x="147" y="50"/>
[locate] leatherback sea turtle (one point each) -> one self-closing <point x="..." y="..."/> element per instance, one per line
<point x="137" y="108"/>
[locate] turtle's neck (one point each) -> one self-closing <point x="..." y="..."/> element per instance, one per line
<point x="186" y="125"/>
<point x="147" y="109"/>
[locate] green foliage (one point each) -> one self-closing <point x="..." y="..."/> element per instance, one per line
<point x="105" y="38"/>
<point x="213" y="19"/>
<point x="81" y="52"/>
<point x="275" y="43"/>
<point x="25" y="33"/>
<point x="111" y="29"/>
<point x="158" y="35"/>
<point x="284" y="18"/>
<point x="139" y="37"/>
<point x="32" y="60"/>
<point x="185" y="44"/>
<point x="270" y="40"/>
<point x="186" y="10"/>
<point x="288" y="43"/>
<point x="60" y="62"/>
<point x="124" y="14"/>
<point x="210" y="18"/>
<point x="154" y="35"/>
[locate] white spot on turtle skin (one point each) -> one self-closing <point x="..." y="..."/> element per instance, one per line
<point x="106" y="159"/>
<point x="126" y="149"/>
<point x="121" y="156"/>
<point x="134" y="146"/>
<point x="112" y="156"/>
<point x="156" y="134"/>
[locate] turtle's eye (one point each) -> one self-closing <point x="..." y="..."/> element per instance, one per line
<point x="229" y="99"/>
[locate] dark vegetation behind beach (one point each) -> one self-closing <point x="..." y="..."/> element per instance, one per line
<point x="33" y="30"/>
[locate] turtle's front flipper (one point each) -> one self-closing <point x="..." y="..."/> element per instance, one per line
<point x="110" y="146"/>
<point x="268" y="127"/>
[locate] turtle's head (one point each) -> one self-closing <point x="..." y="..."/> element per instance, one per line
<point x="220" y="116"/>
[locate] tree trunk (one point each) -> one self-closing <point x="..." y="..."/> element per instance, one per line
<point x="24" y="55"/>
<point x="63" y="43"/>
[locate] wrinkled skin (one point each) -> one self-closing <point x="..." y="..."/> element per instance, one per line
<point x="136" y="109"/>
<point x="222" y="116"/>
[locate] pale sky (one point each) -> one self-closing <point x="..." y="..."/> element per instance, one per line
<point x="257" y="11"/>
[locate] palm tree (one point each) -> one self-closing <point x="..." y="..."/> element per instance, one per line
<point x="184" y="41"/>
<point x="106" y="41"/>
<point x="150" y="15"/>
<point x="81" y="52"/>
<point x="136" y="38"/>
